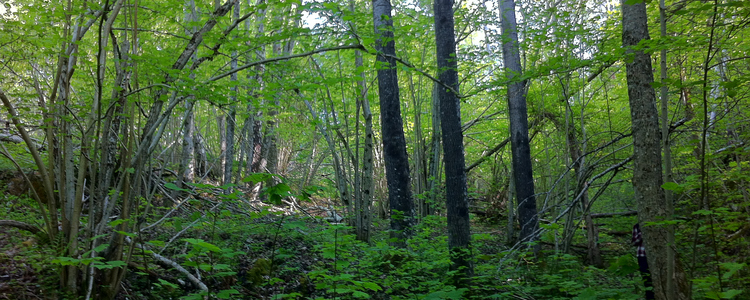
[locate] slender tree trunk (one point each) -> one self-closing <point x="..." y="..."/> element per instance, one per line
<point x="420" y="174"/>
<point x="519" y="127"/>
<point x="364" y="191"/>
<point x="512" y="210"/>
<point x="457" y="204"/>
<point x="394" y="144"/>
<point x="201" y="159"/>
<point x="671" y="290"/>
<point x="252" y="122"/>
<point x="231" y="117"/>
<point x="222" y="121"/>
<point x="337" y="166"/>
<point x="647" y="171"/>
<point x="435" y="173"/>
<point x="187" y="161"/>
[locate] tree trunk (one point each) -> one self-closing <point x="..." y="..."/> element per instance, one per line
<point x="337" y="165"/>
<point x="231" y="117"/>
<point x="435" y="172"/>
<point x="519" y="127"/>
<point x="672" y="290"/>
<point x="457" y="204"/>
<point x="201" y="159"/>
<point x="187" y="159"/>
<point x="394" y="144"/>
<point x="364" y="194"/>
<point x="647" y="171"/>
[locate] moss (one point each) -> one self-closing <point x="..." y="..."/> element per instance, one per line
<point x="261" y="267"/>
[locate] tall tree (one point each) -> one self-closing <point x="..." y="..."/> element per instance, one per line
<point x="394" y="143"/>
<point x="647" y="173"/>
<point x="519" y="125"/>
<point x="670" y="283"/>
<point x="457" y="204"/>
<point x="363" y="183"/>
<point x="187" y="159"/>
<point x="231" y="117"/>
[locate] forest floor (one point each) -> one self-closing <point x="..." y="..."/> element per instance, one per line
<point x="18" y="277"/>
<point x="258" y="251"/>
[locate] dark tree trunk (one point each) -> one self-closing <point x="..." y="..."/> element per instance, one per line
<point x="519" y="126"/>
<point x="647" y="171"/>
<point x="394" y="144"/>
<point x="457" y="204"/>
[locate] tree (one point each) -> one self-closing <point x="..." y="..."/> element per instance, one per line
<point x="519" y="126"/>
<point x="647" y="172"/>
<point x="394" y="143"/>
<point x="457" y="204"/>
<point x="231" y="117"/>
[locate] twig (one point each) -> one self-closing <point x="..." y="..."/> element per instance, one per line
<point x="174" y="265"/>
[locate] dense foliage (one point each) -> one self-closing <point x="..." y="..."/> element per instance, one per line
<point x="118" y="115"/>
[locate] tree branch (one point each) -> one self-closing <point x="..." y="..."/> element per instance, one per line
<point x="172" y="264"/>
<point x="282" y="58"/>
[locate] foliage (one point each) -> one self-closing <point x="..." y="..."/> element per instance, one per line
<point x="240" y="248"/>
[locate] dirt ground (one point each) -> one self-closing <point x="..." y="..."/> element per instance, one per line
<point x="18" y="280"/>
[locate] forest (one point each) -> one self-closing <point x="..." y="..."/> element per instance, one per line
<point x="382" y="149"/>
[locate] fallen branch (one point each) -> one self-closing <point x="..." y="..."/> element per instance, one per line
<point x="609" y="215"/>
<point x="20" y="225"/>
<point x="174" y="265"/>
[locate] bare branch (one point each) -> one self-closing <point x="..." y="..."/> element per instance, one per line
<point x="282" y="58"/>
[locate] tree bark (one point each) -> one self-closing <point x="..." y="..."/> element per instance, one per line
<point x="394" y="143"/>
<point x="187" y="159"/>
<point x="363" y="190"/>
<point x="231" y="117"/>
<point x="647" y="171"/>
<point x="457" y="204"/>
<point x="435" y="174"/>
<point x="519" y="127"/>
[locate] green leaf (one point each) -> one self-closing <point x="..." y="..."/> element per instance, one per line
<point x="128" y="234"/>
<point x="371" y="286"/>
<point x="226" y="294"/>
<point x="101" y="247"/>
<point x="157" y="243"/>
<point x="360" y="295"/>
<point x="671" y="186"/>
<point x="587" y="294"/>
<point x="116" y="222"/>
<point x="733" y="267"/>
<point x="256" y="177"/>
<point x="116" y="263"/>
<point x="167" y="283"/>
<point x="730" y="294"/>
<point x="172" y="186"/>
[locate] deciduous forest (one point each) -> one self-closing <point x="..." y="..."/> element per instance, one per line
<point x="383" y="149"/>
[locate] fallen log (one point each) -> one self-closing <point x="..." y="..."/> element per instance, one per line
<point x="20" y="225"/>
<point x="616" y="214"/>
